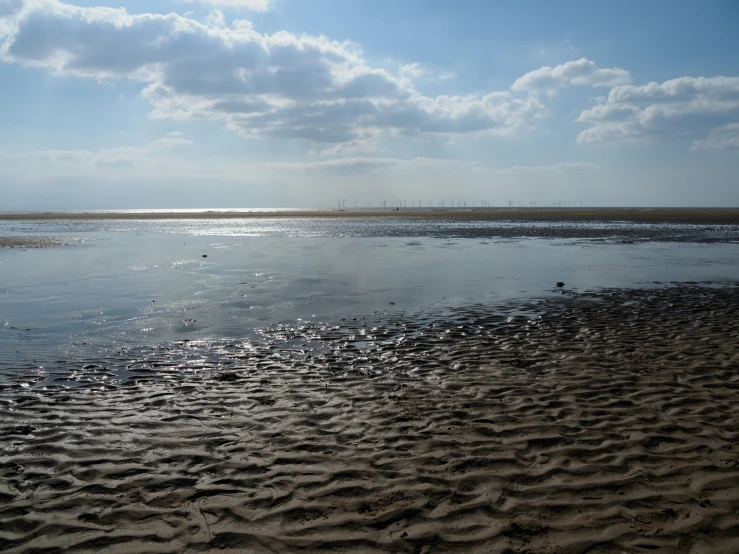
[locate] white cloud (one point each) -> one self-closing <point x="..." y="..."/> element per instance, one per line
<point x="365" y="145"/>
<point x="554" y="168"/>
<point x="414" y="71"/>
<point x="140" y="160"/>
<point x="254" y="5"/>
<point x="578" y="72"/>
<point x="10" y="7"/>
<point x="121" y="157"/>
<point x="216" y="19"/>
<point x="171" y="140"/>
<point x="8" y="10"/>
<point x="357" y="165"/>
<point x="683" y="108"/>
<point x="273" y="86"/>
<point x="725" y="137"/>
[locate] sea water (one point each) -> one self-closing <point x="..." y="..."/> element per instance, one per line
<point x="132" y="284"/>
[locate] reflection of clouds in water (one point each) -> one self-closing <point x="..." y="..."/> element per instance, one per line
<point x="248" y="282"/>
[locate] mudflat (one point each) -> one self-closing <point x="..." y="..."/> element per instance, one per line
<point x="655" y="215"/>
<point x="33" y="242"/>
<point x="595" y="422"/>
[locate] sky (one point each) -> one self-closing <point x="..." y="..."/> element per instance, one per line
<point x="115" y="104"/>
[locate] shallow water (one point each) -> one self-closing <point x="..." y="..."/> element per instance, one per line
<point x="128" y="284"/>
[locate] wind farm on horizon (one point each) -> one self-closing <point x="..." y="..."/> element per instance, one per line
<point x="443" y="203"/>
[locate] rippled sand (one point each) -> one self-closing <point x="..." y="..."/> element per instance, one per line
<point x="600" y="422"/>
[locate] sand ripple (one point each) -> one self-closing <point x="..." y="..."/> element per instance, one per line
<point x="599" y="423"/>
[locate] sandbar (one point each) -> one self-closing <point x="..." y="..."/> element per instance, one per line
<point x="33" y="242"/>
<point x="655" y="215"/>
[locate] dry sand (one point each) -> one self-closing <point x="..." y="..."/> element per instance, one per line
<point x="608" y="424"/>
<point x="657" y="215"/>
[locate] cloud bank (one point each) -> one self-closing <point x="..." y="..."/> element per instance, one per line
<point x="579" y="72"/>
<point x="684" y="108"/>
<point x="86" y="161"/>
<point x="725" y="137"/>
<point x="254" y="5"/>
<point x="270" y="86"/>
<point x="285" y="86"/>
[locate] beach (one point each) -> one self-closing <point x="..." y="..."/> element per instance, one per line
<point x="601" y="423"/>
<point x="369" y="277"/>
<point x="219" y="387"/>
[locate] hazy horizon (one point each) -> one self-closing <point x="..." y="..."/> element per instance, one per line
<point x="207" y="104"/>
<point x="423" y="208"/>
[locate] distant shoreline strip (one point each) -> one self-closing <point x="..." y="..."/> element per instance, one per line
<point x="657" y="215"/>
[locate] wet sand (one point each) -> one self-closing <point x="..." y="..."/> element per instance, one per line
<point x="34" y="242"/>
<point x="600" y="422"/>
<point x="655" y="215"/>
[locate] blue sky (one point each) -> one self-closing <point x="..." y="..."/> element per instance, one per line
<point x="286" y="103"/>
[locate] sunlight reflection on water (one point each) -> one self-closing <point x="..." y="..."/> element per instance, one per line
<point x="135" y="283"/>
